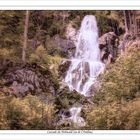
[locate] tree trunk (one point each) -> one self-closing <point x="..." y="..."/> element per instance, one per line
<point x="130" y="22"/>
<point x="135" y="24"/>
<point x="126" y="21"/>
<point x="25" y="36"/>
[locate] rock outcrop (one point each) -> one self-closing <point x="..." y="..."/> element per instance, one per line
<point x="108" y="44"/>
<point x="71" y="33"/>
<point x="66" y="45"/>
<point x="22" y="80"/>
<point x="63" y="67"/>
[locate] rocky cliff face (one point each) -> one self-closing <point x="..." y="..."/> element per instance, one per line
<point x="108" y="44"/>
<point x="66" y="45"/>
<point x="22" y="80"/>
<point x="71" y="33"/>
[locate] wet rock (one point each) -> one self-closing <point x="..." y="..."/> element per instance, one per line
<point x="108" y="44"/>
<point x="63" y="67"/>
<point x="69" y="43"/>
<point x="76" y="117"/>
<point x="94" y="88"/>
<point x="71" y="33"/>
<point x="66" y="45"/>
<point x="71" y="118"/>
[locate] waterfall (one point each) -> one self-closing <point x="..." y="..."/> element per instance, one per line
<point x="75" y="116"/>
<point x="86" y="65"/>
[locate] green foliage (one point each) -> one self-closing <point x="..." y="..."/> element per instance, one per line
<point x="11" y="27"/>
<point x="48" y="62"/>
<point x="66" y="98"/>
<point x="115" y="116"/>
<point x="117" y="102"/>
<point x="53" y="48"/>
<point x="5" y="53"/>
<point x="11" y="54"/>
<point x="27" y="113"/>
<point x="54" y="62"/>
<point x="121" y="80"/>
<point x="39" y="56"/>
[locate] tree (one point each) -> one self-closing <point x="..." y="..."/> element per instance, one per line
<point x="25" y="36"/>
<point x="130" y="22"/>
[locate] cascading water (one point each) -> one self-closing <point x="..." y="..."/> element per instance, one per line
<point x="86" y="65"/>
<point x="75" y="116"/>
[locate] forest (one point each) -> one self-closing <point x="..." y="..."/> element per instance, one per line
<point x="70" y="70"/>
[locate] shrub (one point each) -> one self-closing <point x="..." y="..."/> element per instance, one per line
<point x="115" y="116"/>
<point x="10" y="54"/>
<point x="40" y="57"/>
<point x="27" y="113"/>
<point x="121" y="80"/>
<point x="117" y="102"/>
<point x="54" y="62"/>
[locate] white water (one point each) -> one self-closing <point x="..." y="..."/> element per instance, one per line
<point x="86" y="65"/>
<point x="75" y="116"/>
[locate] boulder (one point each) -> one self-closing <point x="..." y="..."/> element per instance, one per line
<point x="108" y="44"/>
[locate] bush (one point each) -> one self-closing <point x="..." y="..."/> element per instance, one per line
<point x="121" y="80"/>
<point x="115" y="116"/>
<point x="28" y="113"/>
<point x="117" y="103"/>
<point x="40" y="57"/>
<point x="54" y="62"/>
<point x="12" y="54"/>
